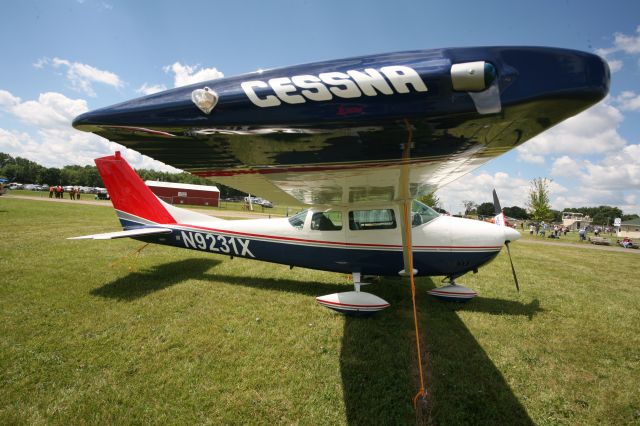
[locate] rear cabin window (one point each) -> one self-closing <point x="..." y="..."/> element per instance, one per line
<point x="360" y="220"/>
<point x="297" y="221"/>
<point x="326" y="221"/>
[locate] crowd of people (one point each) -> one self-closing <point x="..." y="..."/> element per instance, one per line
<point x="58" y="192"/>
<point x="543" y="229"/>
<point x="555" y="231"/>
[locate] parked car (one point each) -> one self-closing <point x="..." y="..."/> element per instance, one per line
<point x="102" y="194"/>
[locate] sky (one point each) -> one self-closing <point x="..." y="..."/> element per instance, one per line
<point x="60" y="58"/>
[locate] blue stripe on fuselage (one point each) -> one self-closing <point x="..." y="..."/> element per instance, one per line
<point x="335" y="259"/>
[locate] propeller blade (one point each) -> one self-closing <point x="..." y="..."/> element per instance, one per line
<point x="496" y="203"/>
<point x="515" y="277"/>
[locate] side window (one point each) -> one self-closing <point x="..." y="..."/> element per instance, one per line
<point x="327" y="221"/>
<point x="297" y="221"/>
<point x="421" y="213"/>
<point x="371" y="219"/>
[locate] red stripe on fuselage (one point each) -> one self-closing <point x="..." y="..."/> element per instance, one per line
<point x="336" y="243"/>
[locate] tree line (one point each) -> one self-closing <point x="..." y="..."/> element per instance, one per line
<point x="18" y="169"/>
<point x="539" y="208"/>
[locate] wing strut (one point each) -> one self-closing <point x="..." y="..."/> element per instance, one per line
<point x="407" y="251"/>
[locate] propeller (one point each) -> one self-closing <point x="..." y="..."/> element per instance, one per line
<point x="499" y="220"/>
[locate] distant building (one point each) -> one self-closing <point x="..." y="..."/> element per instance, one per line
<point x="574" y="221"/>
<point x="185" y="193"/>
<point x="629" y="228"/>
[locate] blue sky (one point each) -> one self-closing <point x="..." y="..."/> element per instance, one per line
<point x="61" y="58"/>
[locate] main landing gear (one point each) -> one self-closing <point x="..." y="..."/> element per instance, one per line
<point x="354" y="303"/>
<point x="453" y="292"/>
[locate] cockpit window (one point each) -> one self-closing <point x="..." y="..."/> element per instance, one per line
<point x="421" y="213"/>
<point x="360" y="220"/>
<point x="327" y="221"/>
<point x="297" y="221"/>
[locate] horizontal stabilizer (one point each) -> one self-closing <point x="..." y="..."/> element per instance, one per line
<point x="139" y="232"/>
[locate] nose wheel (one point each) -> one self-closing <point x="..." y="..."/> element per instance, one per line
<point x="453" y="292"/>
<point x="354" y="303"/>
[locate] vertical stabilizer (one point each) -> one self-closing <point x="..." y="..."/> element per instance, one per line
<point x="130" y="196"/>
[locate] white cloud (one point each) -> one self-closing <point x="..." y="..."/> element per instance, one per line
<point x="618" y="171"/>
<point x="40" y="63"/>
<point x="7" y="100"/>
<point x="54" y="142"/>
<point x="51" y="110"/>
<point x="187" y="74"/>
<point x="615" y="180"/>
<point x="146" y="89"/>
<point x="628" y="101"/>
<point x="604" y="184"/>
<point x="622" y="43"/>
<point x="82" y="76"/>
<point x="565" y="166"/>
<point x="594" y="131"/>
<point x="615" y="65"/>
<point x="591" y="197"/>
<point x="478" y="188"/>
<point x="627" y="43"/>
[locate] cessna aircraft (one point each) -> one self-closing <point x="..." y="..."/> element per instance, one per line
<point x="354" y="140"/>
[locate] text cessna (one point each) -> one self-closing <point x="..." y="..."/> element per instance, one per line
<point x="324" y="86"/>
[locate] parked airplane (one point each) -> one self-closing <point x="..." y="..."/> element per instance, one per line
<point x="350" y="239"/>
<point x="356" y="140"/>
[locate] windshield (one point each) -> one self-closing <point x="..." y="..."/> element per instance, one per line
<point x="421" y="214"/>
<point x="297" y="221"/>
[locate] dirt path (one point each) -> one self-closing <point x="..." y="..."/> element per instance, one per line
<point x="216" y="213"/>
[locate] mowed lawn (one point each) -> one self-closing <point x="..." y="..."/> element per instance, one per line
<point x="91" y="333"/>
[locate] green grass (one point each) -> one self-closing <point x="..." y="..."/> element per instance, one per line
<point x="185" y="337"/>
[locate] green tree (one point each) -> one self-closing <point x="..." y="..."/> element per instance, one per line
<point x="430" y="200"/>
<point x="469" y="207"/>
<point x="516" y="212"/>
<point x="486" y="209"/>
<point x="539" y="204"/>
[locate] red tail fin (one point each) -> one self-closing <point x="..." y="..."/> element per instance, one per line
<point x="128" y="192"/>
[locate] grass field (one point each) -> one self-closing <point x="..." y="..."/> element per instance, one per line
<point x="92" y="334"/>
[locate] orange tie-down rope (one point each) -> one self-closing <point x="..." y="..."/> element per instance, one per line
<point x="406" y="155"/>
<point x="421" y="392"/>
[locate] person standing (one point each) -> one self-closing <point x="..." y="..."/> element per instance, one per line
<point x="51" y="192"/>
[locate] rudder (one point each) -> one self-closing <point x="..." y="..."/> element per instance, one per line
<point x="129" y="194"/>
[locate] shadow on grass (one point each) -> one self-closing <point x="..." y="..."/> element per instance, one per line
<point x="292" y="286"/>
<point x="498" y="307"/>
<point x="139" y="284"/>
<point x="378" y="363"/>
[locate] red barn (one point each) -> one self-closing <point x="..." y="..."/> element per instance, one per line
<point x="185" y="193"/>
